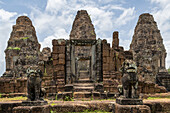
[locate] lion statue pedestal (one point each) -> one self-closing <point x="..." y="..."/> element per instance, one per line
<point x="34" y="89"/>
<point x="130" y="84"/>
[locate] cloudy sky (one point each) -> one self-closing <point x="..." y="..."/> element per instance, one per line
<point x="53" y="19"/>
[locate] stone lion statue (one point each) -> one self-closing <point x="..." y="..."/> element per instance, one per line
<point x="129" y="79"/>
<point x="34" y="89"/>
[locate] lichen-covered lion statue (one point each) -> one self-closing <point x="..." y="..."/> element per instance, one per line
<point x="34" y="89"/>
<point x="129" y="79"/>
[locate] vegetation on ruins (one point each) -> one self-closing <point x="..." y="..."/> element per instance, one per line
<point x="169" y="70"/>
<point x="19" y="98"/>
<point x="25" y="38"/>
<point x="151" y="98"/>
<point x="14" y="48"/>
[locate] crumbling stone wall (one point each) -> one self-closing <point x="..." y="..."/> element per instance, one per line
<point x="13" y="85"/>
<point x="58" y="55"/>
<point x="112" y="61"/>
<point x="46" y="62"/>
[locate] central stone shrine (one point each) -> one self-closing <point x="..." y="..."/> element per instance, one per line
<point x="82" y="56"/>
<point x="82" y="51"/>
<point x="84" y="65"/>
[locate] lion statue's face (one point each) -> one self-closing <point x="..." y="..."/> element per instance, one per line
<point x="130" y="66"/>
<point x="32" y="71"/>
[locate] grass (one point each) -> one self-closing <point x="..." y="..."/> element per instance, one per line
<point x="169" y="70"/>
<point x="13" y="99"/>
<point x="52" y="104"/>
<point x="151" y="98"/>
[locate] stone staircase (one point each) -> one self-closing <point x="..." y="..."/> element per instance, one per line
<point x="83" y="88"/>
<point x="48" y="85"/>
<point x="111" y="80"/>
<point x="84" y="74"/>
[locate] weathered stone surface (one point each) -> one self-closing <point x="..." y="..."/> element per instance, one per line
<point x="81" y="106"/>
<point x="129" y="79"/>
<point x="163" y="79"/>
<point x="158" y="106"/>
<point x="82" y="27"/>
<point x="131" y="109"/>
<point x="23" y="48"/>
<point x="6" y="107"/>
<point x="13" y="85"/>
<point x="58" y="56"/>
<point x="129" y="101"/>
<point x="34" y="103"/>
<point x="147" y="47"/>
<point x="115" y="42"/>
<point x="31" y="109"/>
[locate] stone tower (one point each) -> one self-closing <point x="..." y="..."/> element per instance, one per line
<point x="82" y="27"/>
<point x="147" y="48"/>
<point x="22" y="49"/>
<point x="115" y="42"/>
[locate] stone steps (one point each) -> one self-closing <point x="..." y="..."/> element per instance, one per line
<point x="84" y="74"/>
<point x="83" y="89"/>
<point x="82" y="95"/>
<point x="86" y="80"/>
<point x="84" y="84"/>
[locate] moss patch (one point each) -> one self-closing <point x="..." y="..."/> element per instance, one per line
<point x="14" y="48"/>
<point x="25" y="38"/>
<point x="14" y="99"/>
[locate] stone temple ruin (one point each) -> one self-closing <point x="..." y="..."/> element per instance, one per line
<point x="149" y="51"/>
<point x="23" y="48"/>
<point x="85" y="66"/>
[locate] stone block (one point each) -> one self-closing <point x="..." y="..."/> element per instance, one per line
<point x="105" y="53"/>
<point x="82" y="94"/>
<point x="55" y="56"/>
<point x="129" y="101"/>
<point x="58" y="42"/>
<point x="104" y="59"/>
<point x="105" y="67"/>
<point x="117" y="108"/>
<point x="32" y="109"/>
<point x="55" y="62"/>
<point x="61" y="56"/>
<point x="69" y="88"/>
<point x="59" y="68"/>
<point x="59" y="49"/>
<point x="61" y="61"/>
<point x="106" y="46"/>
<point x="61" y="73"/>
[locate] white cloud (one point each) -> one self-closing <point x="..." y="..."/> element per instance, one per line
<point x="7" y="20"/>
<point x="162" y="17"/>
<point x="59" y="15"/>
<point x="126" y="16"/>
<point x="5" y="15"/>
<point x="60" y="34"/>
<point x="162" y="3"/>
<point x="124" y="43"/>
